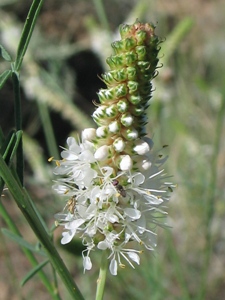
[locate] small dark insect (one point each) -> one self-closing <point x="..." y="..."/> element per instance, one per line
<point x="170" y="189"/>
<point x="119" y="188"/>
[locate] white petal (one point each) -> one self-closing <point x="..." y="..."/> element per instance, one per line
<point x="141" y="147"/>
<point x="102" y="153"/>
<point x="141" y="223"/>
<point x="74" y="224"/>
<point x="126" y="163"/>
<point x="88" y="134"/>
<point x="91" y="230"/>
<point x="87" y="263"/>
<point x="71" y="141"/>
<point x="113" y="218"/>
<point x="146" y="164"/>
<point x="152" y="199"/>
<point x="134" y="256"/>
<point x="73" y="145"/>
<point x="132" y="213"/>
<point x="87" y="156"/>
<point x="138" y="179"/>
<point x="70" y="155"/>
<point x="113" y="267"/>
<point x="67" y="236"/>
<point x="102" y="245"/>
<point x="128" y="235"/>
<point x="61" y="217"/>
<point x="60" y="189"/>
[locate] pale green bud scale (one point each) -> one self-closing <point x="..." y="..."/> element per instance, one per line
<point x="132" y="86"/>
<point x="131" y="73"/>
<point x="111" y="111"/>
<point x="114" y="127"/>
<point x="122" y="105"/>
<point x="102" y="131"/>
<point x="119" y="144"/>
<point x="127" y="119"/>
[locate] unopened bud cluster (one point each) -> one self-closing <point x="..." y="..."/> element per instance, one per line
<point x="121" y="115"/>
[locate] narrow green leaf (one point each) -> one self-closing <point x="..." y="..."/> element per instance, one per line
<point x="7" y="146"/>
<point x="20" y="241"/>
<point x="175" y="38"/>
<point x="2" y="137"/>
<point x="18" y="123"/>
<point x="33" y="272"/>
<point x="48" y="129"/>
<point x="10" y="145"/>
<point x="27" y="32"/>
<point x="2" y="140"/>
<point x="5" y="54"/>
<point x="4" y="76"/>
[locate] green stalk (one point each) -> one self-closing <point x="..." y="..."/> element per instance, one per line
<point x="102" y="276"/>
<point x="177" y="266"/>
<point x="18" y="123"/>
<point x="48" y="130"/>
<point x="102" y="15"/>
<point x="23" y="44"/>
<point x="25" y="204"/>
<point x="210" y="205"/>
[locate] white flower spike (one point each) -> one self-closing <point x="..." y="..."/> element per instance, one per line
<point x="114" y="184"/>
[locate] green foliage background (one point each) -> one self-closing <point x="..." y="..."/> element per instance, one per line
<point x="187" y="113"/>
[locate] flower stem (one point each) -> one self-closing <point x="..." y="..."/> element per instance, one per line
<point x="102" y="276"/>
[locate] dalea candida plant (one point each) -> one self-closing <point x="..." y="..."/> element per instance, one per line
<point x="113" y="184"/>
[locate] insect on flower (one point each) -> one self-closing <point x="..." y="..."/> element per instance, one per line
<point x="119" y="188"/>
<point x="70" y="205"/>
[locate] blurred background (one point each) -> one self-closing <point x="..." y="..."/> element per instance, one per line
<point x="59" y="82"/>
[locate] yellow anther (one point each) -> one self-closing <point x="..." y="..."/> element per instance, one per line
<point x="122" y="266"/>
<point x="57" y="162"/>
<point x="50" y="158"/>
